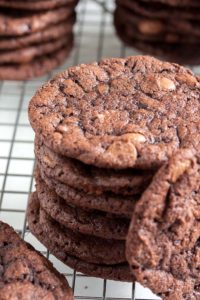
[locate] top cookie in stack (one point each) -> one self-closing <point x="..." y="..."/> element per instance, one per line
<point x="102" y="131"/>
<point x="35" y="36"/>
<point x="165" y="28"/>
<point x="118" y="113"/>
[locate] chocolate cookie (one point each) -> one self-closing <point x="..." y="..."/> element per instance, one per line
<point x="185" y="3"/>
<point x="147" y="29"/>
<point x="36" y="68"/>
<point x="88" y="248"/>
<point x="36" y="5"/>
<point x="28" y="54"/>
<point x="113" y="272"/>
<point x="160" y="10"/>
<point x="119" y="113"/>
<point x="25" y="273"/>
<point x="186" y="54"/>
<point x="87" y="222"/>
<point x="90" y="179"/>
<point x="49" y="34"/>
<point x="120" y="272"/>
<point x="21" y="23"/>
<point x="163" y="244"/>
<point x="107" y="202"/>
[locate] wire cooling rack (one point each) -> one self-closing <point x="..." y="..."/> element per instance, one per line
<point x="95" y="38"/>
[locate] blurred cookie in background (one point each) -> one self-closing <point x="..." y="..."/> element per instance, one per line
<point x="161" y="35"/>
<point x="35" y="37"/>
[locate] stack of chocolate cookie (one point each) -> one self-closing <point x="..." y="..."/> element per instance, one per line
<point x="35" y="36"/>
<point x="168" y="29"/>
<point x="102" y="131"/>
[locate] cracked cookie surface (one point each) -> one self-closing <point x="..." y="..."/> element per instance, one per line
<point x="25" y="273"/>
<point x="163" y="243"/>
<point x="119" y="113"/>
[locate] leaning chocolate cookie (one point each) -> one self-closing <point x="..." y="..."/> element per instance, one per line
<point x="163" y="243"/>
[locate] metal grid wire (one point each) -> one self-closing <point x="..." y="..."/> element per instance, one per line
<point x="95" y="38"/>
